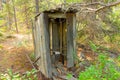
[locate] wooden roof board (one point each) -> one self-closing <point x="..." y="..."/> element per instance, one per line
<point x="59" y="10"/>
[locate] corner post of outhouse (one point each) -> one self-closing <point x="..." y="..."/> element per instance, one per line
<point x="42" y="44"/>
<point x="71" y="41"/>
<point x="46" y="55"/>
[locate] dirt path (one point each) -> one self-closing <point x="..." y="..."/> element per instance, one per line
<point x="12" y="54"/>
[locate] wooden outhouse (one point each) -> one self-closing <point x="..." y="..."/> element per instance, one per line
<point x="54" y="34"/>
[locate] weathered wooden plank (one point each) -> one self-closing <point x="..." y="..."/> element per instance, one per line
<point x="64" y="35"/>
<point x="50" y="34"/>
<point x="40" y="45"/>
<point x="61" y="36"/>
<point x="36" y="39"/>
<point x="74" y="39"/>
<point x="46" y="49"/>
<point x="64" y="43"/>
<point x="70" y="39"/>
<point x="37" y="34"/>
<point x="55" y="34"/>
<point x="33" y="35"/>
<point x="42" y="33"/>
<point x="57" y="15"/>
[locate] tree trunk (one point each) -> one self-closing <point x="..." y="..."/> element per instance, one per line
<point x="26" y="16"/>
<point x="8" y="17"/>
<point x="15" y="16"/>
<point x="37" y="6"/>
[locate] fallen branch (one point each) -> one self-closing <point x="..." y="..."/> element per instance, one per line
<point x="109" y="5"/>
<point x="33" y="65"/>
<point x="36" y="60"/>
<point x="30" y="61"/>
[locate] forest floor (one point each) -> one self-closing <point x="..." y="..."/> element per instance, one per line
<point x="13" y="52"/>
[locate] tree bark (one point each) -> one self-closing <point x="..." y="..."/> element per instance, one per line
<point x="15" y="16"/>
<point x="37" y="6"/>
<point x="109" y="5"/>
<point x="26" y="16"/>
<point x="8" y="17"/>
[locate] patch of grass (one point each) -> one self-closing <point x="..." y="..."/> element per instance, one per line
<point x="32" y="56"/>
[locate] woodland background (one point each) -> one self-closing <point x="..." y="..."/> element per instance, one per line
<point x="102" y="27"/>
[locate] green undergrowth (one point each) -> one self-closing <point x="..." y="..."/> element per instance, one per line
<point x="104" y="69"/>
<point x="9" y="75"/>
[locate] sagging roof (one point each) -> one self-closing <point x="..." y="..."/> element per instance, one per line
<point x="59" y="10"/>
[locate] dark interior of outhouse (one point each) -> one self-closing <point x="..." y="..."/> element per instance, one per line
<point x="58" y="40"/>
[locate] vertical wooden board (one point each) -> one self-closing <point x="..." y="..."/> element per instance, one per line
<point x="55" y="33"/>
<point x="61" y="37"/>
<point x="74" y="39"/>
<point x="42" y="46"/>
<point x="70" y="39"/>
<point x="36" y="38"/>
<point x="64" y="43"/>
<point x="47" y="56"/>
<point x="50" y="34"/>
<point x="64" y="36"/>
<point x="39" y="43"/>
<point x="33" y="35"/>
<point x="45" y="46"/>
